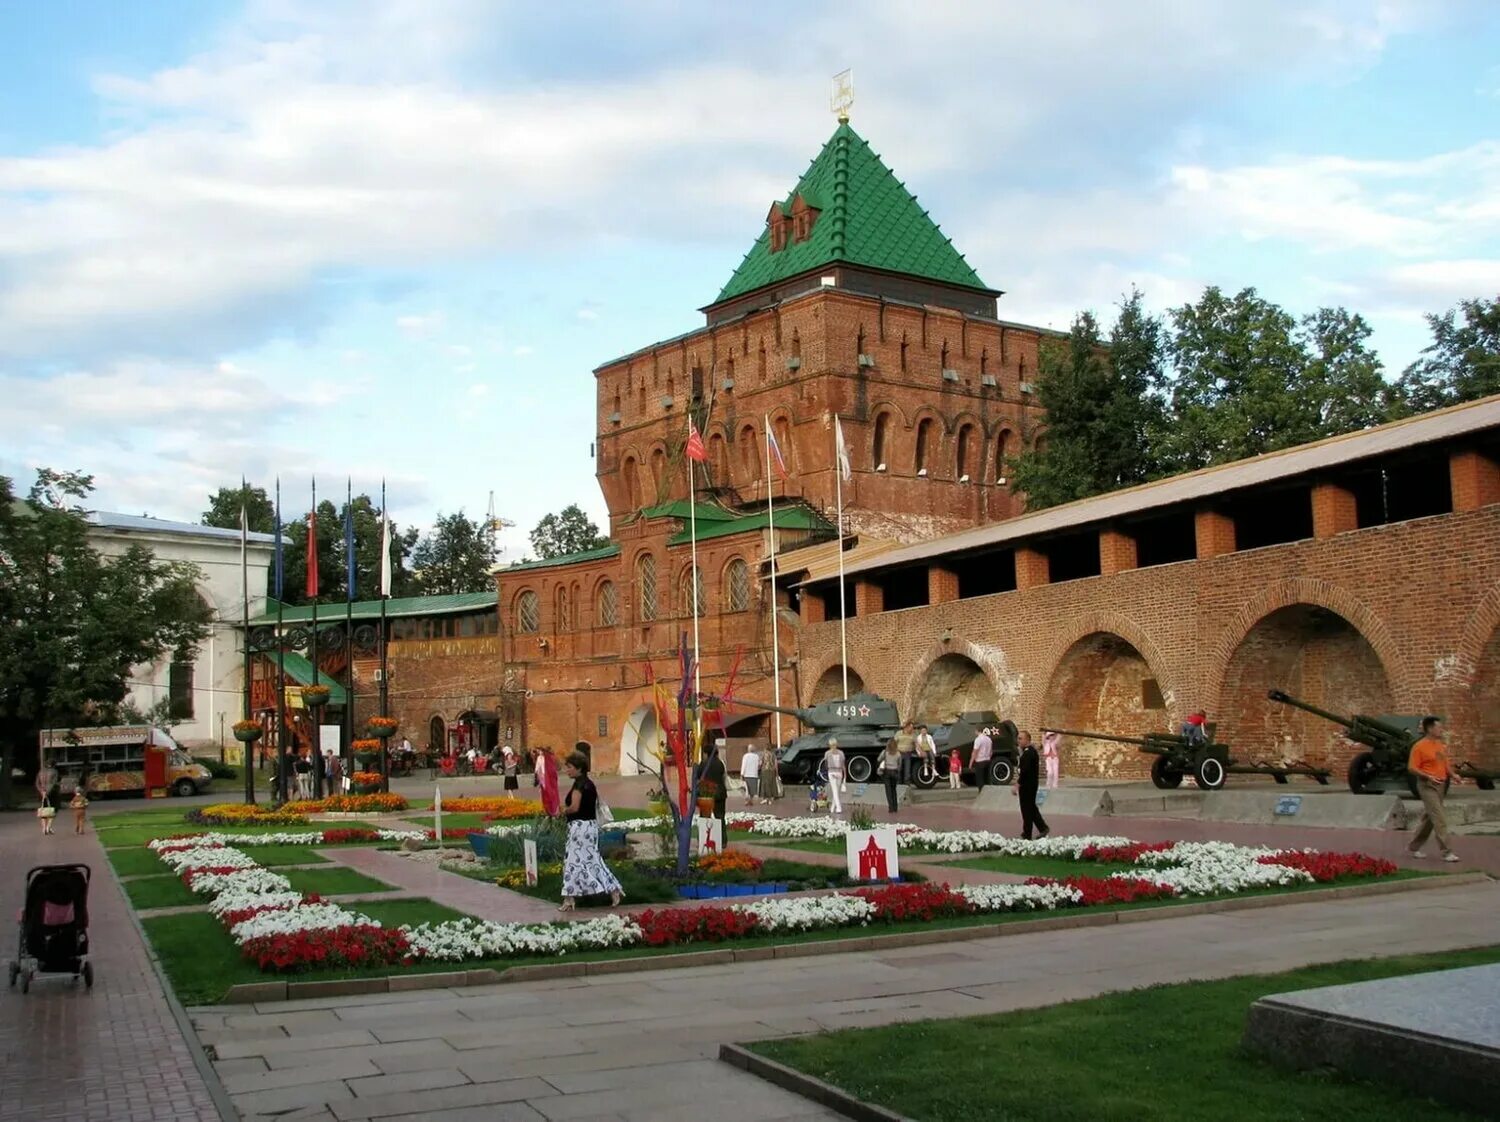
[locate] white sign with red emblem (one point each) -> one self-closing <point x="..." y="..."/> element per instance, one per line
<point x="528" y="854"/>
<point x="872" y="854"/>
<point x="710" y="834"/>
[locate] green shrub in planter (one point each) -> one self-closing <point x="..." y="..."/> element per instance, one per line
<point x="550" y="835"/>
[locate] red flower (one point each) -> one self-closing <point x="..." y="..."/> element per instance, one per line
<point x="1121" y="854"/>
<point x="898" y="902"/>
<point x="1332" y="866"/>
<point x="348" y="834"/>
<point x="1111" y="890"/>
<point x="336" y="948"/>
<point x="693" y="925"/>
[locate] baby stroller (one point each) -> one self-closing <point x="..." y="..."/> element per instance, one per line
<point x="54" y="925"/>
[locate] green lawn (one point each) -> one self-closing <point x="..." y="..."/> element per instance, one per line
<point x="137" y="861"/>
<point x="333" y="882"/>
<point x="1165" y="1053"/>
<point x="466" y="821"/>
<point x="165" y="891"/>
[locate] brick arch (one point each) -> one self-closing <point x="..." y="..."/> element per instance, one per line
<point x="810" y="681"/>
<point x="1479" y="628"/>
<point x="1094" y="623"/>
<point x="992" y="660"/>
<point x="1289" y="593"/>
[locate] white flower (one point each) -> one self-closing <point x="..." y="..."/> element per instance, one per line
<point x="241" y="881"/>
<point x="1019" y="897"/>
<point x="807" y="913"/>
<point x="401" y="835"/>
<point x="294" y="921"/>
<point x="226" y="902"/>
<point x="462" y="939"/>
<point x="206" y="857"/>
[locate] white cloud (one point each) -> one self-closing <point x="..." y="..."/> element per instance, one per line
<point x="588" y="315"/>
<point x="522" y="351"/>
<point x="420" y="326"/>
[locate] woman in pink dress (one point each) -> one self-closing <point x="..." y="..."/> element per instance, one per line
<point x="1050" y="743"/>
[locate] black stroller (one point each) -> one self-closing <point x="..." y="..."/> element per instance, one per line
<point x="54" y="926"/>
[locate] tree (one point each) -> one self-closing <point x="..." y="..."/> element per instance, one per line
<point x="1103" y="408"/>
<point x="1462" y="364"/>
<point x="454" y="557"/>
<point x="73" y="623"/>
<point x="1235" y="390"/>
<point x="567" y="531"/>
<point x="225" y="503"/>
<point x="1344" y="378"/>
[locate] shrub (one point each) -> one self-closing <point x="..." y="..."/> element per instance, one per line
<point x="216" y="769"/>
<point x="550" y="835"/>
<point x="860" y="817"/>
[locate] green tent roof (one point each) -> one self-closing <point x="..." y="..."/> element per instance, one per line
<point x="370" y="609"/>
<point x="678" y="508"/>
<point x="867" y="218"/>
<point x="789" y="518"/>
<point x="300" y="670"/>
<point x="565" y="559"/>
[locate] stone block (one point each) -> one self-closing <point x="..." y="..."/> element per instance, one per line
<point x="1435" y="1034"/>
<point x="661" y="962"/>
<point x="449" y="978"/>
<point x="247" y="993"/>
<point x="342" y="987"/>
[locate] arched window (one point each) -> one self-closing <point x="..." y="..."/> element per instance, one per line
<point x="632" y="473"/>
<point x="965" y="450"/>
<point x="658" y="472"/>
<point x="645" y="588"/>
<point x="528" y="613"/>
<point x="1002" y="450"/>
<point x="180" y="686"/>
<point x="784" y="442"/>
<point x="750" y="453"/>
<point x="718" y="459"/>
<point x="609" y="605"/>
<point x="560" y="620"/>
<point x="880" y="449"/>
<point x="737" y="585"/>
<point x="686" y="589"/>
<point x="924" y="446"/>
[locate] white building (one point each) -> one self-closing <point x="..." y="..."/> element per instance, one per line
<point x="206" y="692"/>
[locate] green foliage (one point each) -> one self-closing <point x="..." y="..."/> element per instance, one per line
<point x="1102" y="410"/>
<point x="860" y="817"/>
<point x="550" y="835"/>
<point x="567" y="531"/>
<point x="72" y="622"/>
<point x="455" y="556"/>
<point x="1463" y="362"/>
<point x="224" y="509"/>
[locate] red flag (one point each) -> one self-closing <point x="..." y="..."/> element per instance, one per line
<point x="695" y="449"/>
<point x="312" y="555"/>
<point x="775" y="450"/>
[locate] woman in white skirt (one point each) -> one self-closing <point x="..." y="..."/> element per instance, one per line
<point x="584" y="871"/>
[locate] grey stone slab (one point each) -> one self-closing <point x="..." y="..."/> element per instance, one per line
<point x="339" y="1065"/>
<point x="283" y="1099"/>
<point x="244" y="1066"/>
<point x="414" y="1055"/>
<point x="498" y="1112"/>
<point x="235" y="1049"/>
<point x="649" y="1075"/>
<point x="421" y="1080"/>
<point x="443" y="1098"/>
<point x="490" y="1064"/>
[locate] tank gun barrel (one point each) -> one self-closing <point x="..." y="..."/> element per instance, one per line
<point x="1307" y="707"/>
<point x="803" y="715"/>
<point x="1137" y="740"/>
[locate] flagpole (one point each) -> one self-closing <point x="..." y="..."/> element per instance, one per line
<point x="385" y="593"/>
<point x="693" y="534"/>
<point x="838" y="486"/>
<point x="348" y="746"/>
<point x="280" y="662"/>
<point x="249" y="673"/>
<point x="775" y="636"/>
<point x="315" y="751"/>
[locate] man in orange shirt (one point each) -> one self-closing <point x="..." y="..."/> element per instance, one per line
<point x="1429" y="769"/>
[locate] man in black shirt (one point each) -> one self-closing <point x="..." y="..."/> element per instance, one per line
<point x="1025" y="787"/>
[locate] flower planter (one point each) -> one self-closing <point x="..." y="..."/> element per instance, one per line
<point x="689" y="891"/>
<point x="705" y="808"/>
<point x="479" y="842"/>
<point x="742" y="890"/>
<point x="249" y="735"/>
<point x="712" y="891"/>
<point x="382" y="732"/>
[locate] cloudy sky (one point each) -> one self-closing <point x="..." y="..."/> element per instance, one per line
<point x="389" y="238"/>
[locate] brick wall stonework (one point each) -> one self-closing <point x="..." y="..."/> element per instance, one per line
<point x="1400" y="618"/>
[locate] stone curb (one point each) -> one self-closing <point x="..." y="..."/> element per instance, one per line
<point x="290" y="991"/>
<point x="790" y="1079"/>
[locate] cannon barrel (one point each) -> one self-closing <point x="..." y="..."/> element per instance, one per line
<point x="1137" y="740"/>
<point x="803" y="715"/>
<point x="1297" y="703"/>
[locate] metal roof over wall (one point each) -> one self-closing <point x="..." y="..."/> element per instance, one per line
<point x="1400" y="436"/>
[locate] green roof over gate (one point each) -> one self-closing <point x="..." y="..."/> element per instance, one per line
<point x="868" y="218"/>
<point x="332" y="613"/>
<point x="300" y="670"/>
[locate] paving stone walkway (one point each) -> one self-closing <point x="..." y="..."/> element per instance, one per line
<point x="641" y="1047"/>
<point x="111" y="1055"/>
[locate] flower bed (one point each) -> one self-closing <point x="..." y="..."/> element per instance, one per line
<point x="240" y="814"/>
<point x="353" y="804"/>
<point x="494" y="807"/>
<point x="283" y="931"/>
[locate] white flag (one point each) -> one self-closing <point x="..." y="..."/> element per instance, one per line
<point x="840" y="450"/>
<point x="385" y="554"/>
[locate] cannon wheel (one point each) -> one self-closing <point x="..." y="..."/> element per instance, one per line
<point x="860" y="768"/>
<point x="1164" y="775"/>
<point x="1209" y="774"/>
<point x="926" y="776"/>
<point x="1001" y="771"/>
<point x="1361" y="771"/>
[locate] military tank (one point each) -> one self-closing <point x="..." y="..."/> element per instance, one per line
<point x="865" y="722"/>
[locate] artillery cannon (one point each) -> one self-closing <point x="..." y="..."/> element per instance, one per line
<point x="1208" y="762"/>
<point x="863" y="724"/>
<point x="1389" y="740"/>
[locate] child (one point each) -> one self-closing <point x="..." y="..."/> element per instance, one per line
<point x="955" y="769"/>
<point x="80" y="805"/>
<point x="814" y="793"/>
